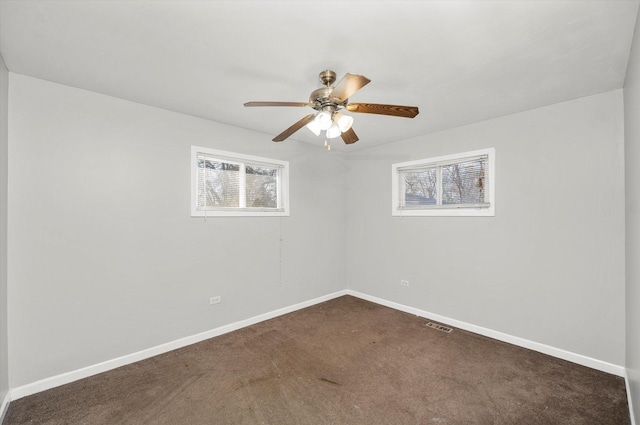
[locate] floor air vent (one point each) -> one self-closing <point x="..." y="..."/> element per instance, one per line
<point x="439" y="327"/>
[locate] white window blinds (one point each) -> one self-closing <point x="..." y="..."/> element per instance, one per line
<point x="446" y="183"/>
<point x="218" y="183"/>
<point x="460" y="184"/>
<point x="241" y="183"/>
<point x="262" y="186"/>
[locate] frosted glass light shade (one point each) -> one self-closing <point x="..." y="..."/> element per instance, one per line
<point x="314" y="126"/>
<point x="333" y="131"/>
<point x="324" y="120"/>
<point x="344" y="121"/>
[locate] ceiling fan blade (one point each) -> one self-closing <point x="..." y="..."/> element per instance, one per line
<point x="277" y="104"/>
<point x="297" y="126"/>
<point x="349" y="84"/>
<point x="349" y="136"/>
<point x="376" y="108"/>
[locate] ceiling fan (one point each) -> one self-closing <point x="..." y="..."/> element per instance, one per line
<point x="329" y="101"/>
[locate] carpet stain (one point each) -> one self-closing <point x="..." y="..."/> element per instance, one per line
<point x="329" y="381"/>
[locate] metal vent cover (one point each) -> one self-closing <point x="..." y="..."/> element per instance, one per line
<point x="439" y="327"/>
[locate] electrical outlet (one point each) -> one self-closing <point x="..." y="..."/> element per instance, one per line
<point x="215" y="300"/>
<point x="404" y="282"/>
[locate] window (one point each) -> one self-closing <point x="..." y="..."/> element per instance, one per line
<point x="231" y="184"/>
<point x="452" y="185"/>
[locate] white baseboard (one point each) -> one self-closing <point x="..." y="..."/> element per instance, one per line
<point x="521" y="342"/>
<point x="5" y="406"/>
<point x="85" y="372"/>
<point x="629" y="399"/>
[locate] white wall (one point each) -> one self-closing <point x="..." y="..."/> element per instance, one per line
<point x="4" y="158"/>
<point x="632" y="164"/>
<point x="549" y="267"/>
<point x="104" y="258"/>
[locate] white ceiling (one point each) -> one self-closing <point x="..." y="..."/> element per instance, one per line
<point x="458" y="61"/>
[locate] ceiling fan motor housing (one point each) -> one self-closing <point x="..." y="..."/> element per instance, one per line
<point x="321" y="99"/>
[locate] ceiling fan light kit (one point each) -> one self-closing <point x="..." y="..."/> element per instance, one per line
<point x="333" y="131"/>
<point x="328" y="101"/>
<point x="343" y="121"/>
<point x="324" y="119"/>
<point x="314" y="126"/>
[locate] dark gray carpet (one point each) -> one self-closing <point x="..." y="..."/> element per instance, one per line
<point x="346" y="361"/>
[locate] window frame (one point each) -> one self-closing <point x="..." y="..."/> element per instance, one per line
<point x="282" y="209"/>
<point x="448" y="210"/>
